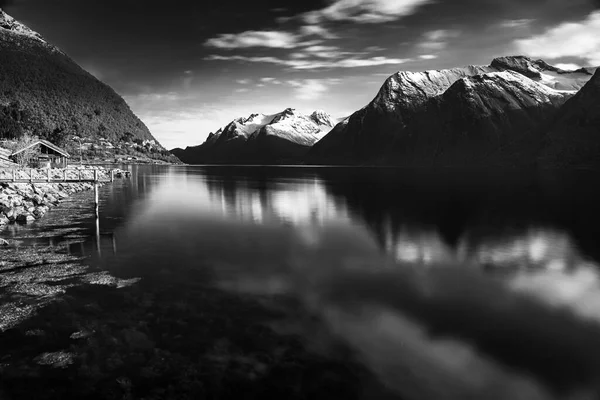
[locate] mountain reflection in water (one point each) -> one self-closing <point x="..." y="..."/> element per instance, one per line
<point x="443" y="287"/>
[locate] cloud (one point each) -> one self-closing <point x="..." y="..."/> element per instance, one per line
<point x="438" y="39"/>
<point x="273" y="39"/>
<point x="311" y="89"/>
<point x="568" y="66"/>
<point x="305" y="64"/>
<point x="317" y="30"/>
<point x="372" y="49"/>
<point x="516" y="23"/>
<point x="177" y="119"/>
<point x="570" y="39"/>
<point x="323" y="51"/>
<point x="243" y="81"/>
<point x="365" y="11"/>
<point x="188" y="80"/>
<point x="428" y="56"/>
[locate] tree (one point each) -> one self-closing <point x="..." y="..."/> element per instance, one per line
<point x="25" y="157"/>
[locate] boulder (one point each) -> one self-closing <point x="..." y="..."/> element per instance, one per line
<point x="25" y="218"/>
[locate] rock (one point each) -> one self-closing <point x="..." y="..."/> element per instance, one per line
<point x="24" y="203"/>
<point x="40" y="211"/>
<point x="25" y="218"/>
<point x="37" y="199"/>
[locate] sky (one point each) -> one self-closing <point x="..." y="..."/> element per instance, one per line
<point x="188" y="67"/>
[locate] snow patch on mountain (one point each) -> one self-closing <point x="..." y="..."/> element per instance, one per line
<point x="288" y="124"/>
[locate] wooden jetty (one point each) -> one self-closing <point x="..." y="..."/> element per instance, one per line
<point x="63" y="175"/>
<point x="60" y="175"/>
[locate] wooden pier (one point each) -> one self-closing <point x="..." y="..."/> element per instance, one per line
<point x="63" y="175"/>
<point x="70" y="175"/>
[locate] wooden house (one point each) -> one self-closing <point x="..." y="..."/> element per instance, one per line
<point x="46" y="155"/>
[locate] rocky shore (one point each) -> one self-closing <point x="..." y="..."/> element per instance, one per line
<point x="26" y="202"/>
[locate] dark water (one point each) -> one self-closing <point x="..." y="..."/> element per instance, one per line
<point x="255" y="282"/>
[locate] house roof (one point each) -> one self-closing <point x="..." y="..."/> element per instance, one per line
<point x="44" y="143"/>
<point x="4" y="154"/>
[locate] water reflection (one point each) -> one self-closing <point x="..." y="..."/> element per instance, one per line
<point x="371" y="288"/>
<point x="443" y="289"/>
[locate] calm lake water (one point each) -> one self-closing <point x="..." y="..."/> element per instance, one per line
<point x="302" y="283"/>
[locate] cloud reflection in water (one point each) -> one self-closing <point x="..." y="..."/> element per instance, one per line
<point x="501" y="314"/>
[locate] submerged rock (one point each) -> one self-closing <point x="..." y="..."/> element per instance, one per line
<point x="58" y="359"/>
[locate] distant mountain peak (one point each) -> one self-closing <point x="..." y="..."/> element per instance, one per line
<point x="322" y="118"/>
<point x="533" y="69"/>
<point x="9" y="23"/>
<point x="283" y="136"/>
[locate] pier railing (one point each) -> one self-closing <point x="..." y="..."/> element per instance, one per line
<point x="32" y="175"/>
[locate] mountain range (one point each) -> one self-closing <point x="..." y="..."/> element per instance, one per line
<point x="514" y="112"/>
<point x="470" y="116"/>
<point x="45" y="93"/>
<point x="284" y="137"/>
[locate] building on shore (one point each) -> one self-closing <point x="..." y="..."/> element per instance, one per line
<point x="43" y="154"/>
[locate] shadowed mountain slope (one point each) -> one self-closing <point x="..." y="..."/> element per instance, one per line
<point x="45" y="93"/>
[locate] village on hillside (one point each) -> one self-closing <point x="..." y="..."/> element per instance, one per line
<point x="32" y="152"/>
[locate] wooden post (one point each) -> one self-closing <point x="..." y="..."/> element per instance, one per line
<point x="31" y="175"/>
<point x="65" y="174"/>
<point x="112" y="175"/>
<point x="14" y="175"/>
<point x="95" y="175"/>
<point x="48" y="175"/>
<point x="96" y="203"/>
<point x="98" y="247"/>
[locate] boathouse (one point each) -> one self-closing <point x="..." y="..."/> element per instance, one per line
<point x="46" y="155"/>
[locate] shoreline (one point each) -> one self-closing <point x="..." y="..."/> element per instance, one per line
<point x="24" y="203"/>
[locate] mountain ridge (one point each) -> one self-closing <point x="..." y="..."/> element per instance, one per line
<point x="282" y="137"/>
<point x="480" y="121"/>
<point x="368" y="133"/>
<point x="43" y="92"/>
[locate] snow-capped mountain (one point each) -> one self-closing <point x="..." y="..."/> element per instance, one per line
<point x="415" y="101"/>
<point x="260" y="138"/>
<point x="491" y="119"/>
